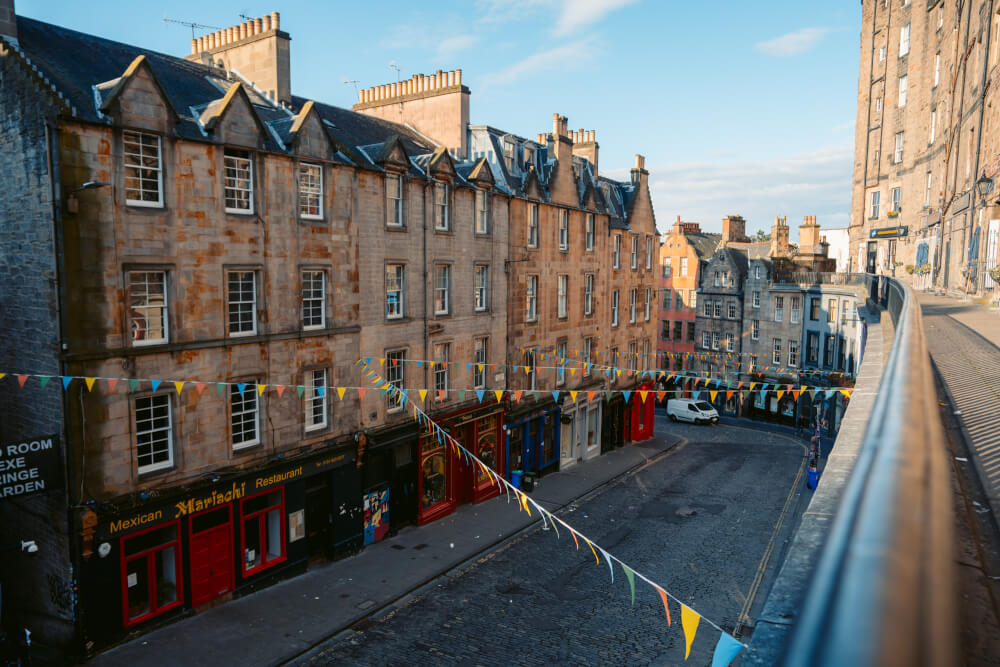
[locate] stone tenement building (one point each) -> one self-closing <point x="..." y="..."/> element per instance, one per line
<point x="683" y="253"/>
<point x="194" y="260"/>
<point x="928" y="128"/>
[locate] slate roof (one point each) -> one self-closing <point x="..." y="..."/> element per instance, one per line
<point x="754" y="250"/>
<point x="704" y="244"/>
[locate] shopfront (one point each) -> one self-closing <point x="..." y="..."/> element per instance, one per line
<point x="448" y="478"/>
<point x="580" y="429"/>
<point x="389" y="481"/>
<point x="533" y="439"/>
<point x="613" y="424"/>
<point x="642" y="412"/>
<point x="215" y="541"/>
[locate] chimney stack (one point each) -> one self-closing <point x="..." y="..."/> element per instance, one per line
<point x="734" y="229"/>
<point x="585" y="145"/>
<point x="779" y="238"/>
<point x="8" y="21"/>
<point x="809" y="242"/>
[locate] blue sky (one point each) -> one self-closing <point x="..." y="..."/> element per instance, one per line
<point x="738" y="107"/>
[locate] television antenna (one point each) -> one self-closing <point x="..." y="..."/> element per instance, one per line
<point x="352" y="81"/>
<point x="191" y="24"/>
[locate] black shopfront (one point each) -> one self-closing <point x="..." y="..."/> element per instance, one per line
<point x="388" y="462"/>
<point x="195" y="547"/>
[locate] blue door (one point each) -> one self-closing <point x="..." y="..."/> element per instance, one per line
<point x="531" y="446"/>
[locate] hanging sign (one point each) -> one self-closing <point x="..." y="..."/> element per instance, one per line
<point x="30" y="467"/>
<point x="888" y="232"/>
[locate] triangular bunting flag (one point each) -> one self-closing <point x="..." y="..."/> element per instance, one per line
<point x="666" y="604"/>
<point x="112" y="383"/>
<point x="321" y="390"/>
<point x="461" y="394"/>
<point x="631" y="580"/>
<point x="299" y="390"/>
<point x="21" y="379"/>
<point x="499" y="395"/>
<point x="572" y="395"/>
<point x="660" y="395"/>
<point x="262" y="387"/>
<point x="281" y="389"/>
<point x="200" y="386"/>
<point x="555" y="395"/>
<point x="90" y="383"/>
<point x="596" y="559"/>
<point x="179" y="386"/>
<point x="611" y="566"/>
<point x="642" y="395"/>
<point x="713" y="393"/>
<point x="219" y="386"/>
<point x="479" y="394"/>
<point x="846" y="393"/>
<point x="781" y="392"/>
<point x="155" y="384"/>
<point x="241" y="387"/>
<point x="689" y="621"/>
<point x="726" y="650"/>
<point x="627" y="395"/>
<point x="361" y="392"/>
<point x="517" y="396"/>
<point x="340" y="392"/>
<point x="44" y="380"/>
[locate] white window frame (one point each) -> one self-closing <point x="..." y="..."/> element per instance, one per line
<point x="136" y="154"/>
<point x="878" y="105"/>
<point x="562" y="287"/>
<point x="930" y="185"/>
<point x="147" y="427"/>
<point x="715" y="340"/>
<point x="616" y="252"/>
<point x="684" y="267"/>
<point x="614" y="308"/>
<point x="481" y="287"/>
<point x="139" y="311"/>
<point x="442" y="289"/>
<point x="896" y="199"/>
<point x="248" y="395"/>
<point x="756" y="272"/>
<point x="310" y="190"/>
<point x="779" y="308"/>
<point x="937" y="69"/>
<point x="481" y="352"/>
<point x="531" y="299"/>
<point x="904" y="40"/>
<point x="718" y="310"/>
<point x="649" y="253"/>
<point x="635" y="253"/>
<point x="706" y="308"/>
<point x="796" y="303"/>
<point x="881" y="54"/>
<point x="897" y="155"/>
<point x="394" y="375"/>
<point x="239" y="303"/>
<point x="313" y="399"/>
<point x="398" y="286"/>
<point x="563" y="229"/>
<point x="313" y="297"/>
<point x="705" y="339"/>
<point x="532" y="225"/>
<point x="393" y="204"/>
<point x="755" y="329"/>
<point x="876" y="200"/>
<point x="633" y="298"/>
<point x="482" y="212"/>
<point x="649" y="300"/>
<point x="901" y="97"/>
<point x="442" y="367"/>
<point x="732" y="310"/>
<point x="442" y="221"/>
<point x="933" y="132"/>
<point x="793" y="353"/>
<point x="716" y="279"/>
<point x="588" y="294"/>
<point x="776" y="351"/>
<point x="238" y="179"/>
<point x="730" y="345"/>
<point x="588" y="351"/>
<point x="590" y="232"/>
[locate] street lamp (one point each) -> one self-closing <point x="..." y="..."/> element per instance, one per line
<point x="984" y="186"/>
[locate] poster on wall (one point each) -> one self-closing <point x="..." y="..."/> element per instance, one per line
<point x="30" y="466"/>
<point x="376" y="514"/>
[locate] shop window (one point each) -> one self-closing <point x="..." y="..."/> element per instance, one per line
<point x="263" y="518"/>
<point x="515" y="459"/>
<point x="151" y="565"/>
<point x="433" y="474"/>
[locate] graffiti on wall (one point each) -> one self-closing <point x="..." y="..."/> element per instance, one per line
<point x="376" y="514"/>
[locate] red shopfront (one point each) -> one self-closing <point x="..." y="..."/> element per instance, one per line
<point x="641" y="412"/>
<point x="447" y="479"/>
<point x="213" y="543"/>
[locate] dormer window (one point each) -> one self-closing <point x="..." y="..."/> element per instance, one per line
<point x="393" y="200"/>
<point x="239" y="181"/>
<point x="143" y="169"/>
<point x="529" y="156"/>
<point x="441" y="222"/>
<point x="508" y="154"/>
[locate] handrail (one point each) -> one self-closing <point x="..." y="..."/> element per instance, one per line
<point x="882" y="590"/>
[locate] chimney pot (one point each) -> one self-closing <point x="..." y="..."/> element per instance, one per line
<point x="275" y="20"/>
<point x="230" y="37"/>
<point x="267" y="23"/>
<point x="458" y="77"/>
<point x="451" y="78"/>
<point x="258" y="26"/>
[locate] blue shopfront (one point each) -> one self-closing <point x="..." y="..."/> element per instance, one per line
<point x="532" y="440"/>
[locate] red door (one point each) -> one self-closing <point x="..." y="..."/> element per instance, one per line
<point x="211" y="555"/>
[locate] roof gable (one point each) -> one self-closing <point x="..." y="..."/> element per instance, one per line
<point x="481" y="173"/>
<point x="307" y="136"/>
<point x="441" y="166"/>
<point x="138" y="96"/>
<point x="233" y="119"/>
<point x="392" y="153"/>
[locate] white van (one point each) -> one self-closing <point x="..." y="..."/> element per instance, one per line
<point x="690" y="410"/>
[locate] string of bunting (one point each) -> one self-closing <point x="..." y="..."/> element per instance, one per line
<point x="727" y="646"/>
<point x="481" y="394"/>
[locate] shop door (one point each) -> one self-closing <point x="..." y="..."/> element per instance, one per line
<point x="319" y="516"/>
<point x="465" y="478"/>
<point x="627" y="418"/>
<point x="872" y="255"/>
<point x="211" y="555"/>
<point x="515" y="449"/>
<point x="531" y="447"/>
<point x="566" y="448"/>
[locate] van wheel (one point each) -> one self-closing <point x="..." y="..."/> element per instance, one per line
<point x="673" y="417"/>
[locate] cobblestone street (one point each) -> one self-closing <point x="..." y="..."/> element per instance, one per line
<point x="698" y="521"/>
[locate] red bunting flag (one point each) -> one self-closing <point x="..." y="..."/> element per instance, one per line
<point x="280" y="388"/>
<point x="21" y="379"/>
<point x="200" y="386"/>
<point x="111" y="384"/>
<point x="666" y="606"/>
<point x="361" y="392"/>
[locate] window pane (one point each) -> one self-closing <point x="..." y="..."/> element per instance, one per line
<point x="313" y="299"/>
<point x="238" y="181"/>
<point x="244" y="414"/>
<point x="242" y="302"/>
<point x="310" y="191"/>
<point x="147" y="294"/>
<point x="137" y="583"/>
<point x="142" y="167"/>
<point x="153" y="436"/>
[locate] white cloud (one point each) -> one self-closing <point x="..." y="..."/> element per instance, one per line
<point x="572" y="15"/>
<point x="792" y="43"/>
<point x="448" y="47"/>
<point x="814" y="183"/>
<point x="563" y="57"/>
<point x="577" y="14"/>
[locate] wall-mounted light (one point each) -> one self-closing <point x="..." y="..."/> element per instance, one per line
<point x="72" y="204"/>
<point x="984" y="186"/>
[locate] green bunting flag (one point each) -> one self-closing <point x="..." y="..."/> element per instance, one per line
<point x="630" y="575"/>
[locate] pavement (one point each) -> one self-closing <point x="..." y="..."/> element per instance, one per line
<point x="281" y="622"/>
<point x="963" y="338"/>
<point x="709" y="521"/>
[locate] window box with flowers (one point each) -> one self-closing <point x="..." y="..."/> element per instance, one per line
<point x="893" y="214"/>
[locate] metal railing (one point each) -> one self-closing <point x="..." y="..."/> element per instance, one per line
<point x="876" y="587"/>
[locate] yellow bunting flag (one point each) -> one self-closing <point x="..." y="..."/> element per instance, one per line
<point x="524" y="501"/>
<point x="423" y="394"/>
<point x="666" y="605"/>
<point x="572" y="395"/>
<point x="598" y="560"/>
<point x="713" y="393"/>
<point x="846" y="392"/>
<point x="381" y="361"/>
<point x="178" y="386"/>
<point x="340" y="392"/>
<point x="499" y="394"/>
<point x="90" y="383"/>
<point x="572" y="372"/>
<point x="2" y="375"/>
<point x="689" y="620"/>
<point x="752" y="385"/>
<point x="643" y="395"/>
<point x="260" y="389"/>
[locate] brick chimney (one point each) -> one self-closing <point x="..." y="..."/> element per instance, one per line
<point x="639" y="173"/>
<point x="779" y="238"/>
<point x="585" y="145"/>
<point x="8" y="21"/>
<point x="436" y="105"/>
<point x="734" y="229"/>
<point x="809" y="242"/>
<point x="258" y="49"/>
